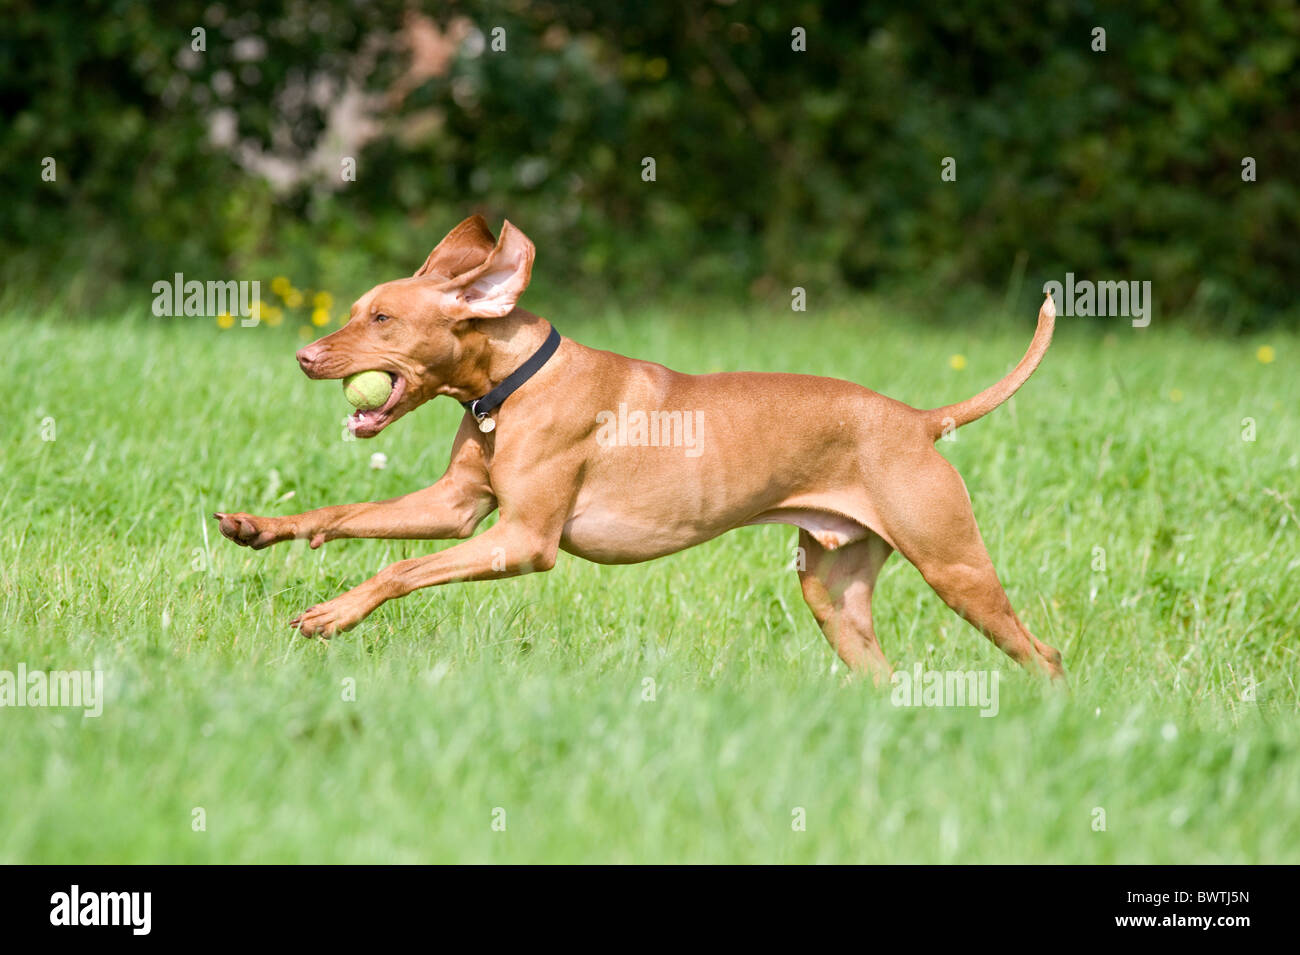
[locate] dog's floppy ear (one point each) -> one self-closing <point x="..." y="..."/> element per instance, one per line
<point x="463" y="248"/>
<point x="491" y="290"/>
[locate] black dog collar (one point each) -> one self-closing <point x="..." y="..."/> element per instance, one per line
<point x="480" y="408"/>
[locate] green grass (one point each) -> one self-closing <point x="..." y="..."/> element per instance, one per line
<point x="528" y="694"/>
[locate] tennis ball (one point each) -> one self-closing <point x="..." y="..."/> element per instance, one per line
<point x="367" y="390"/>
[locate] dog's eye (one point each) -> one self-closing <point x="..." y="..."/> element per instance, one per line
<point x="381" y="317"/>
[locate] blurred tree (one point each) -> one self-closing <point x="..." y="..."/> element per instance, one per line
<point x="775" y="165"/>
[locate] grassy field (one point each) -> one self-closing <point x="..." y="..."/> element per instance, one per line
<point x="524" y="702"/>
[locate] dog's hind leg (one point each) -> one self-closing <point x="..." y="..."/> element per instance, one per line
<point x="934" y="528"/>
<point x="837" y="586"/>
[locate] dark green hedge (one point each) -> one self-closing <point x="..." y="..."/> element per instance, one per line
<point x="774" y="167"/>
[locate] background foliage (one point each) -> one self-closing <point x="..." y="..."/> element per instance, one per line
<point x="774" y="168"/>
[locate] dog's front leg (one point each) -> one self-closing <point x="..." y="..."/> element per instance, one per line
<point x="444" y="511"/>
<point x="450" y="508"/>
<point x="505" y="550"/>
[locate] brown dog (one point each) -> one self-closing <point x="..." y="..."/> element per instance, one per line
<point x="619" y="461"/>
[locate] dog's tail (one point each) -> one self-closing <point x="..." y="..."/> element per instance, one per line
<point x="945" y="419"/>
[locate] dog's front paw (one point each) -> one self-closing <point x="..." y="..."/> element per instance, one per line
<point x="333" y="616"/>
<point x="255" y="532"/>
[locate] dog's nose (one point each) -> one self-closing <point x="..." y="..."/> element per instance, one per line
<point x="309" y="356"/>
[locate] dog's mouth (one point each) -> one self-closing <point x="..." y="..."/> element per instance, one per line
<point x="367" y="424"/>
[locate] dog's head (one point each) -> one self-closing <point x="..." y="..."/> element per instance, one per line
<point x="422" y="331"/>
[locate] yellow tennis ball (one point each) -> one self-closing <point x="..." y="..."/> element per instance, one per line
<point x="367" y="389"/>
